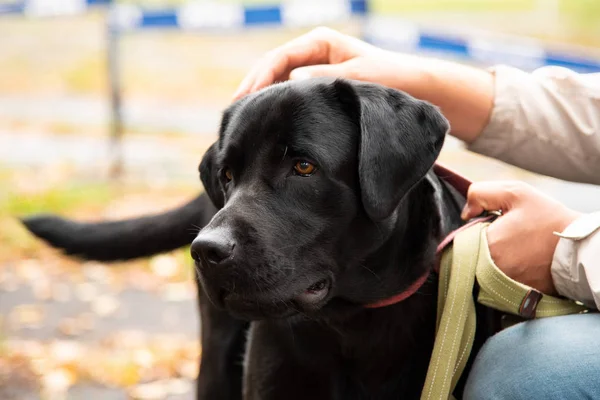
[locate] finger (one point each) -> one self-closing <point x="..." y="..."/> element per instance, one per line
<point x="278" y="66"/>
<point x="487" y="196"/>
<point x="314" y="71"/>
<point x="244" y="87"/>
<point x="310" y="48"/>
<point x="248" y="82"/>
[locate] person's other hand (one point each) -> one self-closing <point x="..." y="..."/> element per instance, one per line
<point x="326" y="52"/>
<point x="521" y="241"/>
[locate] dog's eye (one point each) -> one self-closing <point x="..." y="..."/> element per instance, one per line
<point x="304" y="168"/>
<point x="227" y="174"/>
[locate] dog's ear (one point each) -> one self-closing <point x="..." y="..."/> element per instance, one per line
<point x="400" y="139"/>
<point x="210" y="178"/>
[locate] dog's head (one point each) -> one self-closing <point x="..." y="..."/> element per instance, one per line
<point x="308" y="178"/>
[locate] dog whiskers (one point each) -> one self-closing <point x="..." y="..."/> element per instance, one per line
<point x="197" y="271"/>
<point x="194" y="228"/>
<point x="372" y="272"/>
<point x="284" y="153"/>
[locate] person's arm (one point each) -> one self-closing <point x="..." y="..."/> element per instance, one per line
<point x="547" y="122"/>
<point x="465" y="94"/>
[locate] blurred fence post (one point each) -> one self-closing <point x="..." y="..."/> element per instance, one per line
<point x="114" y="81"/>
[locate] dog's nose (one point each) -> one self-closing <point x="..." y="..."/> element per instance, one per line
<point x="213" y="249"/>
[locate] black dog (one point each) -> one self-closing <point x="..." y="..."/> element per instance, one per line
<point x="326" y="203"/>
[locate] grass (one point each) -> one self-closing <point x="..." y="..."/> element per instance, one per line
<point x="88" y="75"/>
<point x="75" y="199"/>
<point x="56" y="200"/>
<point x="64" y="199"/>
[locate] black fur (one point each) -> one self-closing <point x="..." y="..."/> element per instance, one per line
<point x="367" y="222"/>
<point x="124" y="240"/>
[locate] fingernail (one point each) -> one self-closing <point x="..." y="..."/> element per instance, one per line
<point x="465" y="213"/>
<point x="299" y="74"/>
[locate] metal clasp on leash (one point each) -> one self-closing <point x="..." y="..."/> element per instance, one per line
<point x="493" y="214"/>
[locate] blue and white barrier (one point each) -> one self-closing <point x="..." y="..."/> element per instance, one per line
<point x="49" y="8"/>
<point x="482" y="48"/>
<point x="224" y="15"/>
<point x="392" y="33"/>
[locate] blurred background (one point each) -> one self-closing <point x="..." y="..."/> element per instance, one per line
<point x="105" y="112"/>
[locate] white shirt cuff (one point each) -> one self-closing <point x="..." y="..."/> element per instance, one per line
<point x="576" y="264"/>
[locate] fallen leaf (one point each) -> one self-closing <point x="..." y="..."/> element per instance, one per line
<point x="16" y="372"/>
<point x="143" y="357"/>
<point x="143" y="280"/>
<point x="179" y="291"/>
<point x="86" y="291"/>
<point x="9" y="282"/>
<point x="27" y="348"/>
<point x="164" y="265"/>
<point x="66" y="351"/>
<point x="58" y="381"/>
<point x="117" y="283"/>
<point x="69" y="327"/>
<point x="41" y="366"/>
<point x="105" y="305"/>
<point x="171" y="318"/>
<point x="149" y="391"/>
<point x="27" y="316"/>
<point x="29" y="270"/>
<point x="4" y="275"/>
<point x="178" y="386"/>
<point x="189" y="369"/>
<point x="114" y="368"/>
<point x="96" y="271"/>
<point x="157" y="372"/>
<point x="42" y="289"/>
<point x="128" y="339"/>
<point x="61" y="292"/>
<point x="86" y="321"/>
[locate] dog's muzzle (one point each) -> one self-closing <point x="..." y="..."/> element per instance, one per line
<point x="253" y="292"/>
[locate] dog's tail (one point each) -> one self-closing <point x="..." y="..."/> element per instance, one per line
<point x="124" y="239"/>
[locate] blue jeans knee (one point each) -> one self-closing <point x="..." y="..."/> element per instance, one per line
<point x="551" y="358"/>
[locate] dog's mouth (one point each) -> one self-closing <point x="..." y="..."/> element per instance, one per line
<point x="273" y="305"/>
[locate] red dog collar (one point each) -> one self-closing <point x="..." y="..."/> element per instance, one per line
<point x="461" y="184"/>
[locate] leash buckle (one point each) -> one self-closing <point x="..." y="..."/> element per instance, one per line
<point x="529" y="304"/>
<point x="492" y="214"/>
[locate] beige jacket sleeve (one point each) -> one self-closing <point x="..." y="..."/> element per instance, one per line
<point x="548" y="122"/>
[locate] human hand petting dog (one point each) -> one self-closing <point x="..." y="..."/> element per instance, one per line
<point x="522" y="240"/>
<point x="326" y="52"/>
<point x="322" y="52"/>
